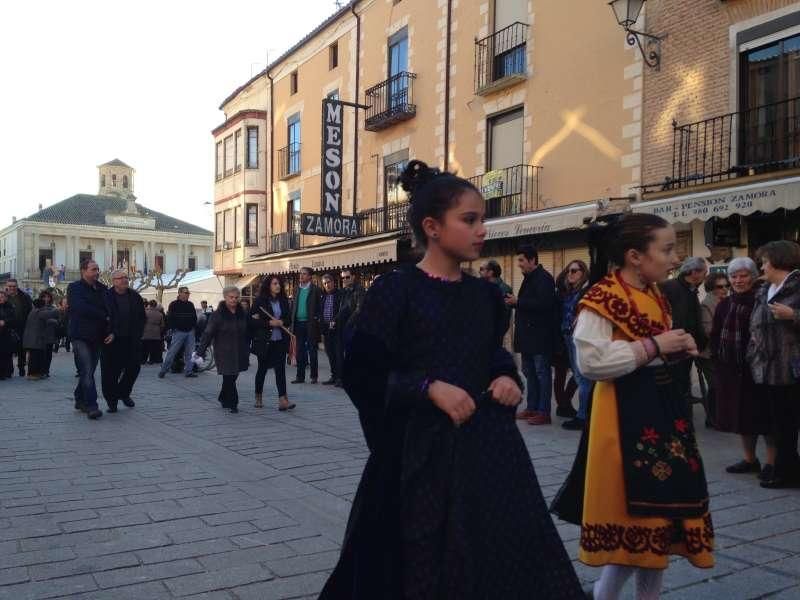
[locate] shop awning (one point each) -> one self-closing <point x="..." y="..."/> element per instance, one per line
<point x="352" y="253"/>
<point x="573" y="216"/>
<point x="764" y="196"/>
<point x="243" y="282"/>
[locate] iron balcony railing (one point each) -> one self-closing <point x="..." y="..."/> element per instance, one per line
<point x="289" y="160"/>
<point x="390" y="102"/>
<point x="763" y="139"/>
<point x="510" y="191"/>
<point x="383" y="219"/>
<point x="500" y="57"/>
<point x="288" y="240"/>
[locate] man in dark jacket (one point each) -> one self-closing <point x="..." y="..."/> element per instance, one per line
<point x="681" y="293"/>
<point x="22" y="305"/>
<point x="89" y="329"/>
<point x="121" y="360"/>
<point x="181" y="319"/>
<point x="306" y="317"/>
<point x="534" y="334"/>
<point x="331" y="305"/>
<point x="352" y="298"/>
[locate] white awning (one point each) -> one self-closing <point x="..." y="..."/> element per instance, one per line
<point x="351" y="255"/>
<point x="243" y="282"/>
<point x="573" y="216"/>
<point x="764" y="196"/>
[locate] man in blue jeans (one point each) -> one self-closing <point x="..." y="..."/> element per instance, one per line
<point x="535" y="326"/>
<point x="181" y="319"/>
<point x="89" y="329"/>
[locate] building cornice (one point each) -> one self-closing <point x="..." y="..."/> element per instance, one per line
<point x="90" y="231"/>
<point x="238" y="118"/>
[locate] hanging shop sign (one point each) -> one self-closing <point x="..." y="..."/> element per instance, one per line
<point x="330" y="222"/>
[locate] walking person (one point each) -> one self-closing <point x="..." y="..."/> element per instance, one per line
<point x="573" y="283"/>
<point x="181" y="320"/>
<point x="681" y="293"/>
<point x="740" y="405"/>
<point x="41" y="320"/>
<point x="646" y="496"/>
<point x="121" y="362"/>
<point x="153" y="334"/>
<point x="271" y="320"/>
<point x="89" y="329"/>
<point x="717" y="287"/>
<point x="227" y="331"/>
<point x="448" y="505"/>
<point x="774" y="354"/>
<point x="305" y="321"/>
<point x="22" y="305"/>
<point x="331" y="303"/>
<point x="8" y="337"/>
<point x="534" y="334"/>
<point x="50" y="332"/>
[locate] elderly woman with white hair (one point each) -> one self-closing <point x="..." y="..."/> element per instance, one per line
<point x="739" y="406"/>
<point x="227" y="330"/>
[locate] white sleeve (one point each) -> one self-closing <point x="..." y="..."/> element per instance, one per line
<point x="600" y="357"/>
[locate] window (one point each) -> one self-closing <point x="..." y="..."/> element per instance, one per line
<point x="334" y="95"/>
<point x="333" y="56"/>
<point x="220" y="230"/>
<point x="505" y="140"/>
<point x="237" y="146"/>
<point x="251" y="235"/>
<point x="159" y="263"/>
<point x="293" y="222"/>
<point x="125" y="181"/>
<point x="113" y="181"/>
<point x="228" y="158"/>
<point x="218" y="161"/>
<point x="237" y="226"/>
<point x="398" y="63"/>
<point x="102" y="181"/>
<point x="393" y="166"/>
<point x="252" y="147"/>
<point x="293" y="135"/>
<point x="293" y="83"/>
<point x="229" y="230"/>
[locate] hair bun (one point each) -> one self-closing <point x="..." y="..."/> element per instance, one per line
<point x="415" y="175"/>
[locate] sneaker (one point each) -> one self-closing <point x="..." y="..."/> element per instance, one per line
<point x="161" y="374"/>
<point x="540" y="419"/>
<point x="744" y="467"/>
<point x="767" y="473"/>
<point x="575" y="424"/>
<point x="566" y="412"/>
<point x="526" y="414"/>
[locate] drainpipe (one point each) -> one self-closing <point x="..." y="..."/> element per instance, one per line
<point x="271" y="161"/>
<point x="447" y="85"/>
<point x="355" y="119"/>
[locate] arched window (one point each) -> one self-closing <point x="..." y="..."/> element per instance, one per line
<point x="102" y="181"/>
<point x="125" y="181"/>
<point x="113" y="181"/>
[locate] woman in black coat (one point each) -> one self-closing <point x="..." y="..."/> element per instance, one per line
<point x="8" y="337"/>
<point x="227" y="330"/>
<point x="270" y="319"/>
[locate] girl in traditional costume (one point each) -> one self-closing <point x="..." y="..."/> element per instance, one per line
<point x="448" y="506"/>
<point x="645" y="493"/>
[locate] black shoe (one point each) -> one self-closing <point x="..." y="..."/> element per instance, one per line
<point x="780" y="483"/>
<point x="80" y="407"/>
<point x="575" y="424"/>
<point x="767" y="473"/>
<point x="329" y="382"/>
<point x="94" y="414"/>
<point x="744" y="467"/>
<point x="191" y="375"/>
<point x="566" y="412"/>
<point x="112" y="408"/>
<point x="22" y="372"/>
<point x="234" y="410"/>
<point x="339" y="383"/>
<point x="128" y="402"/>
<point x="161" y="375"/>
<point x="313" y="382"/>
<point x="298" y="381"/>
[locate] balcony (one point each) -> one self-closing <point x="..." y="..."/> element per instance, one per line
<point x="764" y="139"/>
<point x="280" y="242"/>
<point x="510" y="191"/>
<point x="289" y="161"/>
<point x="383" y="219"/>
<point x="390" y="102"/>
<point x="500" y="59"/>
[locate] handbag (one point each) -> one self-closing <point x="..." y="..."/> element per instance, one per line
<point x="291" y="354"/>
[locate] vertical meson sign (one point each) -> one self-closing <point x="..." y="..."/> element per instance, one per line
<point x="331" y="157"/>
<point x="331" y="222"/>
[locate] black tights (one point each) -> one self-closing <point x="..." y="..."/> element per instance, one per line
<point x="274" y="358"/>
<point x="228" y="395"/>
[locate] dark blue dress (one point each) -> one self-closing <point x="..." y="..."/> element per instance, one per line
<point x="442" y="512"/>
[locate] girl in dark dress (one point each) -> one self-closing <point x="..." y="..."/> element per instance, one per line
<point x="448" y="505"/>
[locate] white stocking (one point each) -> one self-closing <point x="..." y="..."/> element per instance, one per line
<point x="614" y="577"/>
<point x="648" y="583"/>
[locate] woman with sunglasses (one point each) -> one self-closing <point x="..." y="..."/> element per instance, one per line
<point x="717" y="287"/>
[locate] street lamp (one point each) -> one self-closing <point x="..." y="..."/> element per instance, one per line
<point x="627" y="13"/>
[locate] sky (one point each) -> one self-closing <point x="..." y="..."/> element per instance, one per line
<point x="87" y="81"/>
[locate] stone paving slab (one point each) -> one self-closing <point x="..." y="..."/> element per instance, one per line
<point x="179" y="499"/>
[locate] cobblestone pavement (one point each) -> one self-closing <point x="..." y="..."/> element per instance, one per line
<point x="179" y="499"/>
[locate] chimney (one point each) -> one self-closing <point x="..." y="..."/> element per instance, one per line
<point x="13" y="219"/>
<point x="40" y="206"/>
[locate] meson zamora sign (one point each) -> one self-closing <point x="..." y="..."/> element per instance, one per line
<point x="331" y="222"/>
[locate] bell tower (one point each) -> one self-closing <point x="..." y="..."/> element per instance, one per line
<point x="116" y="179"/>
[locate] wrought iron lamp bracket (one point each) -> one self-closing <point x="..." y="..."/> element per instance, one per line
<point x="651" y="49"/>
